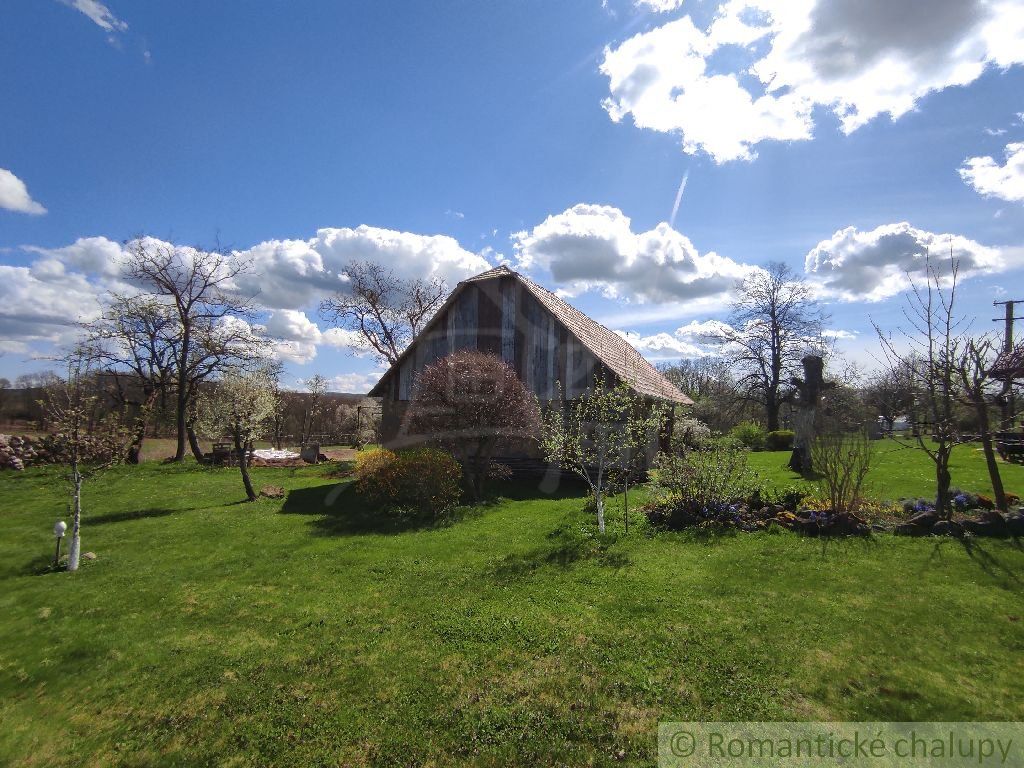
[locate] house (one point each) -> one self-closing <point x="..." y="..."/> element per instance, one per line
<point x="550" y="344"/>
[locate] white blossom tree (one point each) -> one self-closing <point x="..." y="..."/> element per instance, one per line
<point x="82" y="440"/>
<point x="589" y="435"/>
<point x="240" y="405"/>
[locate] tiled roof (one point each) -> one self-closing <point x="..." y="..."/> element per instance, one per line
<point x="1009" y="365"/>
<point x="608" y="347"/>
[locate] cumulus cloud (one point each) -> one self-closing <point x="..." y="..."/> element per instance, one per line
<point x="758" y="71"/>
<point x="297" y="337"/>
<point x="658" y="6"/>
<point x="287" y="278"/>
<point x="991" y="179"/>
<point x="99" y="14"/>
<point x="853" y="265"/>
<point x="296" y="273"/>
<point x="593" y="247"/>
<point x="40" y="303"/>
<point x="695" y="339"/>
<point x="354" y="383"/>
<point x="14" y="195"/>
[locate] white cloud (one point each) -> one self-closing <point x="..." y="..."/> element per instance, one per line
<point x="296" y="337"/>
<point x="41" y="303"/>
<point x="658" y="6"/>
<point x="287" y="278"/>
<point x="14" y="195"/>
<point x="762" y="66"/>
<point x="695" y="339"/>
<point x="99" y="14"/>
<point x="662" y="346"/>
<point x="993" y="180"/>
<point x="871" y="266"/>
<point x="593" y="247"/>
<point x="297" y="273"/>
<point x="839" y="333"/>
<point x="355" y="383"/>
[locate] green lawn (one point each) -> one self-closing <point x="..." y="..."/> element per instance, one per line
<point x="306" y="631"/>
<point x="900" y="472"/>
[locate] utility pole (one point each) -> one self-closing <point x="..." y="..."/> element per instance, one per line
<point x="1007" y="394"/>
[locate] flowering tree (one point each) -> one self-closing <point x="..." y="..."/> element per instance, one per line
<point x="240" y="405"/>
<point x="472" y="403"/>
<point x="82" y="442"/>
<point x="589" y="435"/>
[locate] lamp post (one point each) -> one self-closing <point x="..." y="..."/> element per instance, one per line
<point x="59" y="529"/>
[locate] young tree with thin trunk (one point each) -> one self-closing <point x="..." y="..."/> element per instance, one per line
<point x="240" y="405"/>
<point x="83" y="440"/>
<point x="775" y="320"/>
<point x="589" y="435"/>
<point x="213" y="332"/>
<point x="472" y="403"/>
<point x="975" y="361"/>
<point x="929" y="355"/>
<point x="384" y="311"/>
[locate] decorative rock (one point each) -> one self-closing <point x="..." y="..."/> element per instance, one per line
<point x="88" y="555"/>
<point x="924" y="519"/>
<point x="947" y="528"/>
<point x="1015" y="524"/>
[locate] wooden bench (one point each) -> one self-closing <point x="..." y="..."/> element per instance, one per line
<point x="1010" y="446"/>
<point x="222" y="453"/>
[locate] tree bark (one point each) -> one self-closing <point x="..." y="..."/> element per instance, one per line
<point x="599" y="503"/>
<point x="193" y="443"/>
<point x="242" y="451"/>
<point x="74" y="550"/>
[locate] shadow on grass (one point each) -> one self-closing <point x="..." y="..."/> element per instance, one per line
<point x="134" y="514"/>
<point x="534" y="488"/>
<point x="567" y="547"/>
<point x="338" y="511"/>
<point x="980" y="554"/>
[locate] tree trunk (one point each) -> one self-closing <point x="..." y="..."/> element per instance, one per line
<point x="242" y="451"/>
<point x="599" y="503"/>
<point x="981" y="408"/>
<point x="141" y="422"/>
<point x="74" y="550"/>
<point x="193" y="443"/>
<point x="180" y="422"/>
<point x="771" y="411"/>
<point x="943" y="481"/>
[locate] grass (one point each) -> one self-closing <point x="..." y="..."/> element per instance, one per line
<point x="899" y="472"/>
<point x="310" y="631"/>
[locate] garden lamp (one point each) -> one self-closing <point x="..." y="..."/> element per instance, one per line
<point x="59" y="528"/>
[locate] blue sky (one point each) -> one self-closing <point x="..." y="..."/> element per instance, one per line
<point x="442" y="137"/>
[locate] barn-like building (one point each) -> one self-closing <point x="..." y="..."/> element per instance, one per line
<point x="546" y="340"/>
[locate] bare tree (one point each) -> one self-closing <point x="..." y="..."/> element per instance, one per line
<point x="198" y="285"/>
<point x="136" y="338"/>
<point x="775" y="320"/>
<point x="383" y="310"/>
<point x="891" y="393"/>
<point x="929" y="356"/>
<point x="317" y="386"/>
<point x="972" y="368"/>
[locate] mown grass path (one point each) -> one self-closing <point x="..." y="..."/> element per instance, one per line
<point x="307" y="631"/>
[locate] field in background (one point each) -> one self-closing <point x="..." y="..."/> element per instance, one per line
<point x="311" y="631"/>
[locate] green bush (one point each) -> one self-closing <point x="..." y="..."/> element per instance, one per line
<point x="749" y="433"/>
<point x="719" y="475"/>
<point x="423" y="482"/>
<point x="689" y="433"/>
<point x="779" y="440"/>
